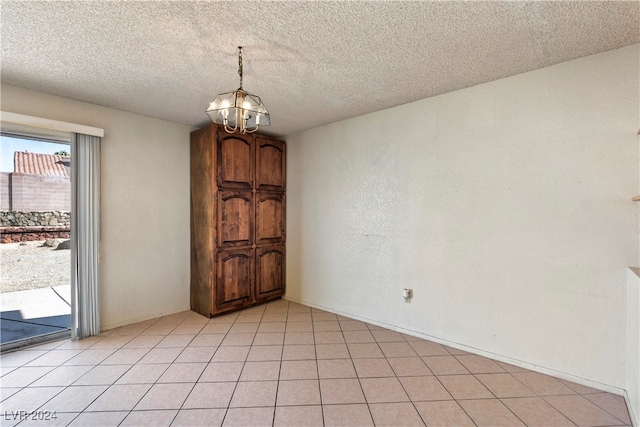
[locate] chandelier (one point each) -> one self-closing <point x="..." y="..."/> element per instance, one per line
<point x="239" y="110"/>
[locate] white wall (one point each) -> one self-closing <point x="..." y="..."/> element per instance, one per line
<point x="505" y="207"/>
<point x="144" y="271"/>
<point x="633" y="344"/>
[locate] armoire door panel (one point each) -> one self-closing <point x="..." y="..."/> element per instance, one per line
<point x="270" y="164"/>
<point x="235" y="218"/>
<point x="235" y="160"/>
<point x="234" y="278"/>
<point x="270" y="211"/>
<point x="270" y="271"/>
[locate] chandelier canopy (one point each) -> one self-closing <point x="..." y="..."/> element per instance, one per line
<point x="239" y="110"/>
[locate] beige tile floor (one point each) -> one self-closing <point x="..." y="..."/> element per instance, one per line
<point x="282" y="364"/>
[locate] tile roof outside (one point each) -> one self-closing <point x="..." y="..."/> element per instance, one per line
<point x="39" y="164"/>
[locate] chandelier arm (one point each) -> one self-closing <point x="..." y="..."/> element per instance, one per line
<point x="228" y="128"/>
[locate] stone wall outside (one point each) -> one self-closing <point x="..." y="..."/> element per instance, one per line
<point x="35" y="218"/>
<point x="34" y="225"/>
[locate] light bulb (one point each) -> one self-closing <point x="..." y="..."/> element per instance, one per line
<point x="225" y="108"/>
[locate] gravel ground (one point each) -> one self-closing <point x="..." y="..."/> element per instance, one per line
<point x="31" y="265"/>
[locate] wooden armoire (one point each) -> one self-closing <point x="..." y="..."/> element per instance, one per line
<point x="237" y="220"/>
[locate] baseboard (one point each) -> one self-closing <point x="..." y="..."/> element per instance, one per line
<point x="109" y="326"/>
<point x="634" y="417"/>
<point x="522" y="364"/>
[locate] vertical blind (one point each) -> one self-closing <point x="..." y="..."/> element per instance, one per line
<point x="85" y="235"/>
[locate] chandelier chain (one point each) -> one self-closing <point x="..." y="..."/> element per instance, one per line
<point x="240" y="64"/>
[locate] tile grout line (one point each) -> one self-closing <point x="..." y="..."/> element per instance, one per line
<point x="315" y="352"/>
<point x="604" y="409"/>
<point x="413" y="403"/>
<point x="275" y="402"/>
<point x="194" y="383"/>
<point x="226" y="412"/>
<point x="487" y="388"/>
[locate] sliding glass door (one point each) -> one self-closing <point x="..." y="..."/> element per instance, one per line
<point x="35" y="227"/>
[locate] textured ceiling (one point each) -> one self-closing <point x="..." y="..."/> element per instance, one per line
<point x="312" y="63"/>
